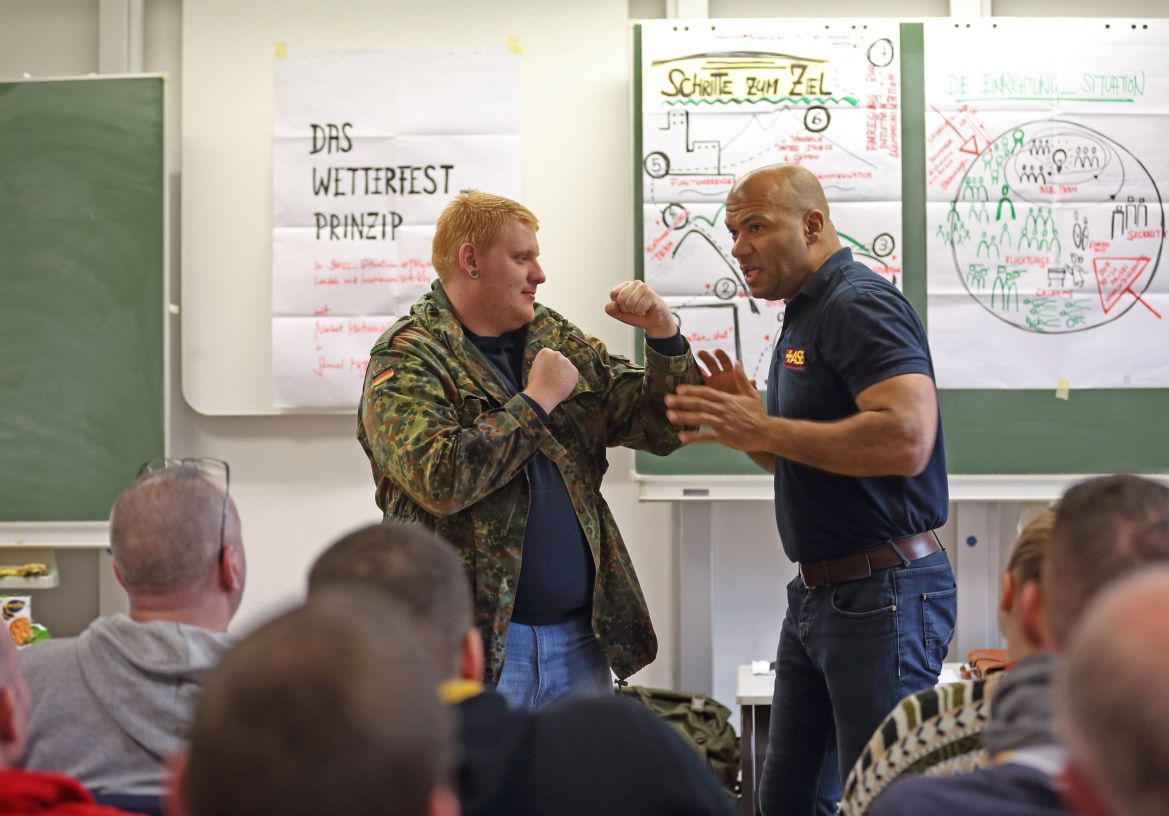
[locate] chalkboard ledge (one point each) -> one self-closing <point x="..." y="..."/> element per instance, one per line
<point x="16" y="556"/>
<point x="703" y="488"/>
<point x="56" y="535"/>
<point x="981" y="487"/>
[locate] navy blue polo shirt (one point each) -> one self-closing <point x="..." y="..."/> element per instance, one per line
<point x="848" y="329"/>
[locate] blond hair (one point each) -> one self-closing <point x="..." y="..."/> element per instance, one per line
<point x="1026" y="559"/>
<point x="475" y="218"/>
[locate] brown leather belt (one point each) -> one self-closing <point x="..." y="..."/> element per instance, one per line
<point x="862" y="563"/>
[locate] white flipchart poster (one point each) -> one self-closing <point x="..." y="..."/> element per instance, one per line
<point x="368" y="148"/>
<point x="1045" y="155"/>
<point x="722" y="98"/>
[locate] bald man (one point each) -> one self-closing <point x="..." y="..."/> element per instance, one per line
<point x="1112" y="701"/>
<point x="852" y="432"/>
<point x="109" y="706"/>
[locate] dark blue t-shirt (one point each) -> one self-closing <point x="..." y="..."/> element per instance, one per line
<point x="846" y="330"/>
<point x="556" y="569"/>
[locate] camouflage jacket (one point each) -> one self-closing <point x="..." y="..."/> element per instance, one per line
<point x="448" y="445"/>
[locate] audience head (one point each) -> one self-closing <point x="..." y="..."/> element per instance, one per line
<point x="332" y="708"/>
<point x="416" y="568"/>
<point x="1021" y="579"/>
<point x="1112" y="702"/>
<point x="1097" y="538"/>
<point x="475" y="218"/>
<point x="174" y="548"/>
<point x="14" y="704"/>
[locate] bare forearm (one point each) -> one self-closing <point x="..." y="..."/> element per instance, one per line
<point x="891" y="434"/>
<point x="763" y="459"/>
<point x="870" y="443"/>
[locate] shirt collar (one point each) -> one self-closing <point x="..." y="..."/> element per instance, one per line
<point x="506" y="341"/>
<point x="823" y="278"/>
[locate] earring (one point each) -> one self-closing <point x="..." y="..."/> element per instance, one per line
<point x="474" y="272"/>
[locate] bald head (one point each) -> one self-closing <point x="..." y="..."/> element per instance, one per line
<point x="778" y="220"/>
<point x="1112" y="700"/>
<point x="786" y="185"/>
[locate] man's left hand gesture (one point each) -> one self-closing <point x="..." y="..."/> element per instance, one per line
<point x="724" y="374"/>
<point x="735" y="420"/>
<point x="633" y="302"/>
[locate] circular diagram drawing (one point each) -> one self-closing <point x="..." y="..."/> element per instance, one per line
<point x="1056" y="228"/>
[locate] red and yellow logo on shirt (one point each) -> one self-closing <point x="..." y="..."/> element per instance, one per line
<point x="794" y="359"/>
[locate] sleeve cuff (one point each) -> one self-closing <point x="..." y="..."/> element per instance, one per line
<point x="535" y="407"/>
<point x="674" y="346"/>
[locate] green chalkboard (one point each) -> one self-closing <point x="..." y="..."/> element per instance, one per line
<point x="81" y="293"/>
<point x="988" y="432"/>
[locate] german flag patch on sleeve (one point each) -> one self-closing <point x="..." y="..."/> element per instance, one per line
<point x="383" y="377"/>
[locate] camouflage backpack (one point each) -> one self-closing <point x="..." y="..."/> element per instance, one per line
<point x="705" y="722"/>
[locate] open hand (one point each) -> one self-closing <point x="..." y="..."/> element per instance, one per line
<point x="735" y="420"/>
<point x="723" y="374"/>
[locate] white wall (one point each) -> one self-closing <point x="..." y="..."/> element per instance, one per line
<point x="299" y="481"/>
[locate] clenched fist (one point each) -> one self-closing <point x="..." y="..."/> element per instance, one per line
<point x="633" y="302"/>
<point x="551" y="379"/>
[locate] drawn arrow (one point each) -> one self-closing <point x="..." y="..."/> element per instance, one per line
<point x="969" y="143"/>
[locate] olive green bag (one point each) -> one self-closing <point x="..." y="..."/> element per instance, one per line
<point x="705" y="722"/>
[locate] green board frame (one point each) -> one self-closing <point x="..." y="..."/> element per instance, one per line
<point x="81" y="293"/>
<point x="988" y="432"/>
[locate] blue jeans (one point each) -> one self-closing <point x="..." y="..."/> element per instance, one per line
<point x="543" y="664"/>
<point x="847" y="655"/>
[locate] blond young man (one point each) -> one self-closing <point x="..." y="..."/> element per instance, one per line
<point x="486" y="417"/>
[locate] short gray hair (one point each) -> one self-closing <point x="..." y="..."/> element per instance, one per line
<point x="165" y="529"/>
<point x="413" y="566"/>
<point x="331" y="708"/>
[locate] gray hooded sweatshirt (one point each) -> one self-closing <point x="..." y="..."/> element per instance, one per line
<point x="109" y="706"/>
